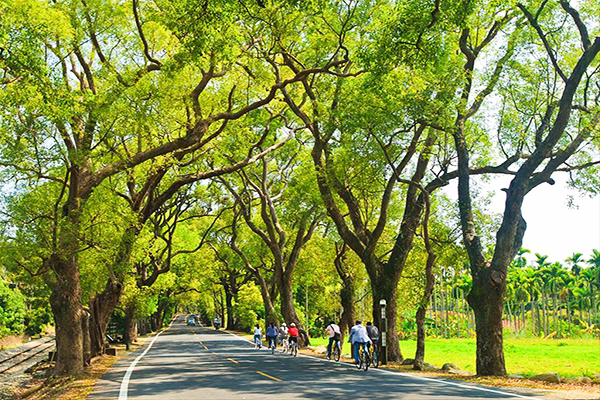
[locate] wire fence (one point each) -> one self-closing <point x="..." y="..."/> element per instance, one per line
<point x="551" y="316"/>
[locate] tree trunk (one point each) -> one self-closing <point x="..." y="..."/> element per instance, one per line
<point x="347" y="301"/>
<point x="265" y="291"/>
<point x="538" y="318"/>
<point x="569" y="317"/>
<point x="229" y="305"/>
<point x="130" y="334"/>
<point x="384" y="289"/>
<point x="420" y="316"/>
<point x="486" y="299"/>
<point x="101" y="309"/>
<point x="85" y="330"/>
<point x="288" y="311"/>
<point x="65" y="302"/>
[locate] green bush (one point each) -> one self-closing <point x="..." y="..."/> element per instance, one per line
<point x="12" y="310"/>
<point x="249" y="308"/>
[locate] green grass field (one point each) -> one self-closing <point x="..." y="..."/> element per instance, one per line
<point x="571" y="357"/>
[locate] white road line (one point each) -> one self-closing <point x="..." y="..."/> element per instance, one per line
<point x="125" y="381"/>
<point x="385" y="371"/>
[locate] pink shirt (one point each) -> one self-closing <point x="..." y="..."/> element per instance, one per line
<point x="333" y="329"/>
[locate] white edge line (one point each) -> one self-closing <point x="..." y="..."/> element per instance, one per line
<point x="125" y="381"/>
<point x="386" y="371"/>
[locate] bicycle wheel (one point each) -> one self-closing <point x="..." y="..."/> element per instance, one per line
<point x="295" y="349"/>
<point x="375" y="357"/>
<point x="367" y="360"/>
<point x="336" y="353"/>
<point x="361" y="358"/>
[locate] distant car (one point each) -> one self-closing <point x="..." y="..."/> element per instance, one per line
<point x="191" y="321"/>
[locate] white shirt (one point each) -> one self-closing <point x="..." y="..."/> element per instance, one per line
<point x="257" y="331"/>
<point x="358" y="333"/>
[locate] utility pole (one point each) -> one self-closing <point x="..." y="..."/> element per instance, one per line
<point x="383" y="352"/>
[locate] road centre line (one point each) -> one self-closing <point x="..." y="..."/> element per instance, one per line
<point x="385" y="371"/>
<point x="268" y="376"/>
<point x="233" y="361"/>
<point x="127" y="376"/>
<point x="205" y="347"/>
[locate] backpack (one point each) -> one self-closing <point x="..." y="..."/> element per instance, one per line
<point x="373" y="333"/>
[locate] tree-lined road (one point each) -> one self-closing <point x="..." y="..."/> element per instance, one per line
<point x="200" y="363"/>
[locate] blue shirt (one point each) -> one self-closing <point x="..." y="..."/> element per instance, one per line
<point x="271" y="331"/>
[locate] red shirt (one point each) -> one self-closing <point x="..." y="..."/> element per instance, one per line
<point x="293" y="331"/>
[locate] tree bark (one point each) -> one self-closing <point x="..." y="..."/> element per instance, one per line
<point x="130" y="325"/>
<point x="387" y="290"/>
<point x="288" y="311"/>
<point x="486" y="299"/>
<point x="101" y="309"/>
<point x="347" y="301"/>
<point x="65" y="302"/>
<point x="420" y="316"/>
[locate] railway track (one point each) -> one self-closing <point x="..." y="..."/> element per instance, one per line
<point x="19" y="358"/>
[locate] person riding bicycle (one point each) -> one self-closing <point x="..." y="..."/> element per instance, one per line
<point x="358" y="337"/>
<point x="335" y="335"/>
<point x="258" y="335"/>
<point x="272" y="335"/>
<point x="373" y="333"/>
<point x="282" y="333"/>
<point x="293" y="331"/>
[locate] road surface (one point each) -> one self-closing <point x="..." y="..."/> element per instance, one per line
<point x="200" y="363"/>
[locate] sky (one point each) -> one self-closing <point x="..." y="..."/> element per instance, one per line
<point x="553" y="227"/>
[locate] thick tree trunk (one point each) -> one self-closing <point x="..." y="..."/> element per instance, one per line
<point x="288" y="311"/>
<point x="65" y="302"/>
<point x="130" y="325"/>
<point x="229" y="306"/>
<point x="268" y="299"/>
<point x="487" y="301"/>
<point x="347" y="301"/>
<point x="101" y="309"/>
<point x="384" y="289"/>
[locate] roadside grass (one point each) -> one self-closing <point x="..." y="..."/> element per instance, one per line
<point x="568" y="357"/>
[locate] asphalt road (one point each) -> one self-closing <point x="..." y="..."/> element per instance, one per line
<point x="200" y="363"/>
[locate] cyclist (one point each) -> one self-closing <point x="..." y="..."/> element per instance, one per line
<point x="358" y="337"/>
<point x="373" y="333"/>
<point x="272" y="335"/>
<point x="282" y="333"/>
<point x="258" y="336"/>
<point x="335" y="336"/>
<point x="293" y="331"/>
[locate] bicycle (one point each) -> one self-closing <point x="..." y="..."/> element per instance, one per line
<point x="257" y="342"/>
<point x="375" y="356"/>
<point x="363" y="357"/>
<point x="272" y="344"/>
<point x="293" y="348"/>
<point x="285" y="345"/>
<point x="337" y="351"/>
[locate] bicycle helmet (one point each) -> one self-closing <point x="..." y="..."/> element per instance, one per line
<point x="292" y="324"/>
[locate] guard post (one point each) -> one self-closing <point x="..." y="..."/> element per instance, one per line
<point x="383" y="352"/>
